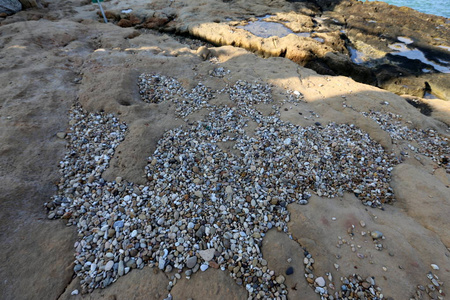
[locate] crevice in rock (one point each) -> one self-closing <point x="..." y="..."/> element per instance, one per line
<point x="67" y="286"/>
<point x="427" y="88"/>
<point x="424" y="108"/>
<point x="185" y="38"/>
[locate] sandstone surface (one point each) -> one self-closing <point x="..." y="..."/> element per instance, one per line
<point x="61" y="54"/>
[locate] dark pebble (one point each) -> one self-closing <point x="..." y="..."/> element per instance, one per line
<point x="290" y="271"/>
<point x="77" y="268"/>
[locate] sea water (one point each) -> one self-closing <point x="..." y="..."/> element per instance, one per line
<point x="433" y="7"/>
<point x="265" y="29"/>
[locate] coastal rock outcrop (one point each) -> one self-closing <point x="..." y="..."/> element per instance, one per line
<point x="395" y="48"/>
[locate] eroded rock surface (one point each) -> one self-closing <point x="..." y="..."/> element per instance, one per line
<point x="342" y="242"/>
<point x="58" y="55"/>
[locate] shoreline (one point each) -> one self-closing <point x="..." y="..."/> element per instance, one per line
<point x="422" y="9"/>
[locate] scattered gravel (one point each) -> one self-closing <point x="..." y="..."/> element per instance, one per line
<point x="156" y="88"/>
<point x="430" y="143"/>
<point x="205" y="206"/>
<point x="432" y="290"/>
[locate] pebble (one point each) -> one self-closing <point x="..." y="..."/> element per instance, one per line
<point x="280" y="279"/>
<point x="320" y="290"/>
<point x="435" y="282"/>
<point x="162" y="262"/>
<point x="376" y="234"/>
<point x="204" y="267"/>
<point x="111" y="232"/>
<point x="109" y="265"/>
<point x="229" y="190"/>
<point x="290" y="271"/>
<point x="434" y="267"/>
<point x="121" y="268"/>
<point x="74" y="292"/>
<point x="118" y="224"/>
<point x="213" y="264"/>
<point x="191" y="262"/>
<point x="61" y="135"/>
<point x="320" y="281"/>
<point x="77" y="268"/>
<point x="207" y="255"/>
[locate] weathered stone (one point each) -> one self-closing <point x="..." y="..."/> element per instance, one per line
<point x="280" y="279"/>
<point x="125" y="23"/>
<point x="10" y="6"/>
<point x="320" y="281"/>
<point x="191" y="262"/>
<point x="376" y="234"/>
<point x="109" y="265"/>
<point x="207" y="255"/>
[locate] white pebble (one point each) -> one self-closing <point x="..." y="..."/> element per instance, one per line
<point x="435" y="267"/>
<point x="204" y="267"/>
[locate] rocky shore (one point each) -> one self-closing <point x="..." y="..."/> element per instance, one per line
<point x="397" y="49"/>
<point x="138" y="161"/>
